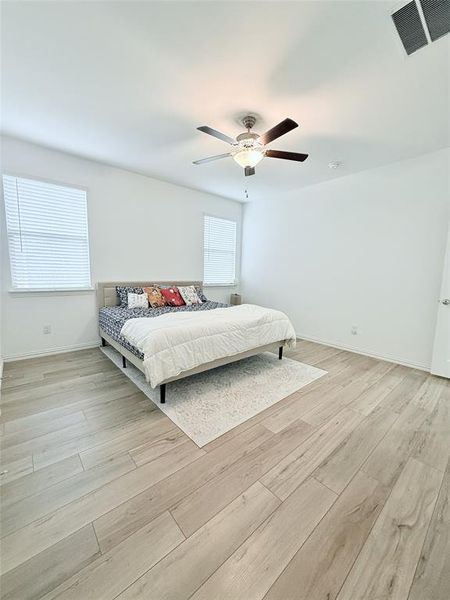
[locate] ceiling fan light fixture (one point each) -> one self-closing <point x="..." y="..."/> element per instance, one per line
<point x="248" y="157"/>
<point x="248" y="149"/>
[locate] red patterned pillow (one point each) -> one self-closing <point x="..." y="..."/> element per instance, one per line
<point x="172" y="296"/>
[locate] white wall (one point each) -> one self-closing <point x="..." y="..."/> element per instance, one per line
<point x="365" y="250"/>
<point x="140" y="228"/>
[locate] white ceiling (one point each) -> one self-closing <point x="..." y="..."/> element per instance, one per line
<point x="127" y="83"/>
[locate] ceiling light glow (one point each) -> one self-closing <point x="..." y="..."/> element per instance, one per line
<point x="248" y="157"/>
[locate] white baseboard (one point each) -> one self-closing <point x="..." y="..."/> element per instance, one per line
<point x="50" y="351"/>
<point x="386" y="357"/>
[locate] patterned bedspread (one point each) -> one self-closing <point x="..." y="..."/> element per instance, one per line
<point x="112" y="318"/>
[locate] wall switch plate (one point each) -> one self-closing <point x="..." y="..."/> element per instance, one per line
<point x="354" y="330"/>
<point x="47" y="329"/>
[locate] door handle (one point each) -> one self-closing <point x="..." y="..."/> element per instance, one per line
<point x="446" y="301"/>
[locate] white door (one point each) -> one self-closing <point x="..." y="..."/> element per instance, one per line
<point x="440" y="364"/>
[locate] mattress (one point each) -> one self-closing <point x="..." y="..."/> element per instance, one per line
<point x="112" y="318"/>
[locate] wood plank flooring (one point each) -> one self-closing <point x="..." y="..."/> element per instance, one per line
<point x="339" y="492"/>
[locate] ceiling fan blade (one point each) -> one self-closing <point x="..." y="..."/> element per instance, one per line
<point x="210" y="158"/>
<point x="277" y="131"/>
<point x="249" y="171"/>
<point x="216" y="134"/>
<point x="286" y="155"/>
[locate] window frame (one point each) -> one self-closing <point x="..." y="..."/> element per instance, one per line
<point x="236" y="250"/>
<point x="51" y="290"/>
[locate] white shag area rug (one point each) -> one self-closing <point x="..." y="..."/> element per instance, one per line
<point x="207" y="405"/>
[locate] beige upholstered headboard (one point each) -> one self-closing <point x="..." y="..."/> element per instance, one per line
<point x="107" y="295"/>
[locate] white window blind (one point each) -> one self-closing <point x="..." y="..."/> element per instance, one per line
<point x="219" y="251"/>
<point x="47" y="234"/>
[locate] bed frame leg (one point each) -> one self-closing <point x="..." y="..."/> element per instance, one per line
<point x="280" y="352"/>
<point x="103" y="342"/>
<point x="162" y="393"/>
<point x="124" y="362"/>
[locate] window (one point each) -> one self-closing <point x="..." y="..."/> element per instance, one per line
<point x="47" y="235"/>
<point x="219" y="251"/>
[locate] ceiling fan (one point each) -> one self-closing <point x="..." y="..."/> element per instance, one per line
<point x="250" y="148"/>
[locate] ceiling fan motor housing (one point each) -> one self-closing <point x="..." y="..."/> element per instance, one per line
<point x="249" y="121"/>
<point x="247" y="139"/>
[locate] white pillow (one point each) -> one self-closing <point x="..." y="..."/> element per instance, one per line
<point x="189" y="295"/>
<point x="137" y="300"/>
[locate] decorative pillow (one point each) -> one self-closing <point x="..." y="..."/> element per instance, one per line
<point x="200" y="294"/>
<point x="122" y="293"/>
<point x="189" y="295"/>
<point x="172" y="296"/>
<point x="155" y="298"/>
<point x="137" y="300"/>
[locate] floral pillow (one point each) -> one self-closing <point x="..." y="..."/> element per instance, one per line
<point x="200" y="294"/>
<point x="189" y="295"/>
<point x="137" y="300"/>
<point x="122" y="293"/>
<point x="155" y="297"/>
<point x="172" y="296"/>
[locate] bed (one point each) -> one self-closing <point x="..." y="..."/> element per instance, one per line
<point x="113" y="317"/>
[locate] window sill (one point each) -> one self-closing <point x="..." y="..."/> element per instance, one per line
<point x="49" y="290"/>
<point x="211" y="285"/>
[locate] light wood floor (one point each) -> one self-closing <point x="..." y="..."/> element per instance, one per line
<point x="340" y="491"/>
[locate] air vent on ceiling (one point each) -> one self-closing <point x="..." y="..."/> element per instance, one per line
<point x="437" y="17"/>
<point x="409" y="26"/>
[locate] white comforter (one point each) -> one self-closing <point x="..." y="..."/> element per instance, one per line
<point x="177" y="342"/>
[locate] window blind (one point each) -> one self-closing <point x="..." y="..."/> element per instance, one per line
<point x="47" y="234"/>
<point x="219" y="251"/>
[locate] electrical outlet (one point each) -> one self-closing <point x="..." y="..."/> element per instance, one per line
<point x="354" y="330"/>
<point x="47" y="329"/>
